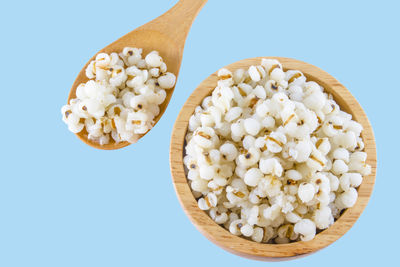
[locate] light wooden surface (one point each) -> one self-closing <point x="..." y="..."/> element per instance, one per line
<point x="166" y="34"/>
<point x="241" y="246"/>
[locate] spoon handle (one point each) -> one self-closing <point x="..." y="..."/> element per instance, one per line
<point x="177" y="21"/>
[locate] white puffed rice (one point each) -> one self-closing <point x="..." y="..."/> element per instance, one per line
<point x="271" y="157"/>
<point x="122" y="97"/>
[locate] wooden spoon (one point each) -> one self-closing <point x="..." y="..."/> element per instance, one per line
<point x="238" y="245"/>
<point x="166" y="34"/>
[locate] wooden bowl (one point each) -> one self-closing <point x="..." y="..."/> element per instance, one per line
<point x="247" y="248"/>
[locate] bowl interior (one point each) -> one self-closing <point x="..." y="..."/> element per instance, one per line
<point x="239" y="245"/>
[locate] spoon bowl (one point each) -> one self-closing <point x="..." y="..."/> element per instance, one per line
<point x="241" y="246"/>
<point x="166" y="34"/>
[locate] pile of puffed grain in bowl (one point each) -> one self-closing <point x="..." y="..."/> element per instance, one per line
<point x="271" y="157"/>
<point x="122" y="97"/>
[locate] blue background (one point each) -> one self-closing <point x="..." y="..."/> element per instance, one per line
<point x="63" y="203"/>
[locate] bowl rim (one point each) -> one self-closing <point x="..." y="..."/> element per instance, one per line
<point x="239" y="245"/>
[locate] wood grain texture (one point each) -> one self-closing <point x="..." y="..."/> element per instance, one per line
<point x="166" y="34"/>
<point x="241" y="246"/>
